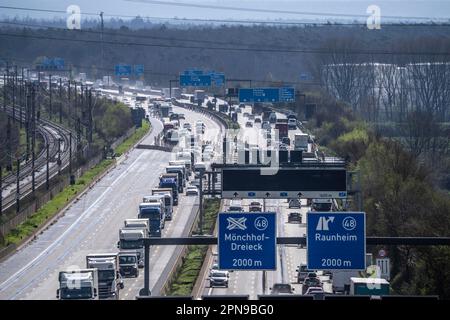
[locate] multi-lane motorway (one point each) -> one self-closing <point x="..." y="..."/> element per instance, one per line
<point x="91" y="225"/>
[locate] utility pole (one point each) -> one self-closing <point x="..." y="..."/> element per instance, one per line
<point x="60" y="100"/>
<point x="90" y="120"/>
<point x="27" y="123"/>
<point x="201" y="172"/>
<point x="71" y="176"/>
<point x="47" y="182"/>
<point x="50" y="93"/>
<point x="14" y="97"/>
<point x="101" y="40"/>
<point x="4" y="92"/>
<point x="18" y="186"/>
<point x="8" y="144"/>
<point x="33" y="136"/>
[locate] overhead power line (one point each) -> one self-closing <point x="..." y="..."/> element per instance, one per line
<point x="291" y="12"/>
<point x="96" y="14"/>
<point x="230" y="48"/>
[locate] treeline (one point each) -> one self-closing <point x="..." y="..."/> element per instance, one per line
<point x="264" y="53"/>
<point x="399" y="194"/>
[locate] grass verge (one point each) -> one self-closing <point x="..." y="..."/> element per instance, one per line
<point x="193" y="261"/>
<point x="52" y="207"/>
<point x="128" y="143"/>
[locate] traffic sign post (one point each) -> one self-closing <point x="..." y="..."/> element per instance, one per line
<point x="247" y="241"/>
<point x="284" y="94"/>
<point x="122" y="70"/>
<point x="336" y="240"/>
<point x="195" y="80"/>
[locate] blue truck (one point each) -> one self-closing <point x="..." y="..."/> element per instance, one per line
<point x="155" y="213"/>
<point x="170" y="180"/>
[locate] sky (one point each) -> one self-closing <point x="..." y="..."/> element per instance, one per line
<point x="412" y="10"/>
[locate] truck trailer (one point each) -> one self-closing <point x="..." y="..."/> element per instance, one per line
<point x="109" y="279"/>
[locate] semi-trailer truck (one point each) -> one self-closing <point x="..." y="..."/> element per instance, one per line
<point x="301" y="141"/>
<point x="131" y="238"/>
<point x="81" y="284"/>
<point x="183" y="162"/>
<point x="181" y="172"/>
<point x="168" y="200"/>
<point x="109" y="279"/>
<point x="282" y="127"/>
<point x="155" y="214"/>
<point x="170" y="180"/>
<point x="156" y="199"/>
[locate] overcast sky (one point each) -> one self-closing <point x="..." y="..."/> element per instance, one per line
<point x="292" y="9"/>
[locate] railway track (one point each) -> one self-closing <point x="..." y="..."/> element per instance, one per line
<point x="57" y="137"/>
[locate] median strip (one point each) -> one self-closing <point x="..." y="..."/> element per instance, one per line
<point x="195" y="254"/>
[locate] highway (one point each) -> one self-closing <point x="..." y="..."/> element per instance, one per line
<point x="289" y="257"/>
<point x="91" y="225"/>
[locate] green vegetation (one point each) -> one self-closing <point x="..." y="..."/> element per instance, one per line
<point x="400" y="197"/>
<point x="135" y="137"/>
<point x="193" y="261"/>
<point x="52" y="207"/>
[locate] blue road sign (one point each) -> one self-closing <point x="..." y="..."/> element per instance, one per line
<point x="285" y="94"/>
<point x="247" y="241"/>
<point x="122" y="69"/>
<point x="336" y="240"/>
<point x="218" y="79"/>
<point x="138" y="69"/>
<point x="195" y="80"/>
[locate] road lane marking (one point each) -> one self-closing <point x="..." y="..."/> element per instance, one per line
<point x="6" y="284"/>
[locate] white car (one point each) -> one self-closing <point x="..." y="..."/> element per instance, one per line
<point x="219" y="278"/>
<point x="192" y="190"/>
<point x="314" y="290"/>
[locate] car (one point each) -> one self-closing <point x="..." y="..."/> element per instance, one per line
<point x="249" y="124"/>
<point x="286" y="141"/>
<point x="238" y="110"/>
<point x="181" y="116"/>
<point x="218" y="278"/>
<point x="294" y="203"/>
<point x="192" y="190"/>
<point x="282" y="288"/>
<point x="196" y="183"/>
<point x="292" y="124"/>
<point x="282" y="146"/>
<point x="187" y="126"/>
<point x="241" y="105"/>
<point x="294" y="217"/>
<point x="266" y="125"/>
<point x="302" y="273"/>
<point x="257" y="120"/>
<point x="251" y="116"/>
<point x="311" y="275"/>
<point x="235" y="206"/>
<point x="246" y="114"/>
<point x="312" y="282"/>
<point x="314" y="290"/>
<point x="215" y="266"/>
<point x="255" y="207"/>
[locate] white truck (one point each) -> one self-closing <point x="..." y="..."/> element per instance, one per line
<point x="109" y="280"/>
<point x="160" y="200"/>
<point x="301" y="142"/>
<point x="341" y="280"/>
<point x="168" y="200"/>
<point x="199" y="95"/>
<point x="81" y="284"/>
<point x="131" y="238"/>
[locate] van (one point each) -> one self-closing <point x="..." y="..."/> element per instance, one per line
<point x="322" y="205"/>
<point x="235" y="206"/>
